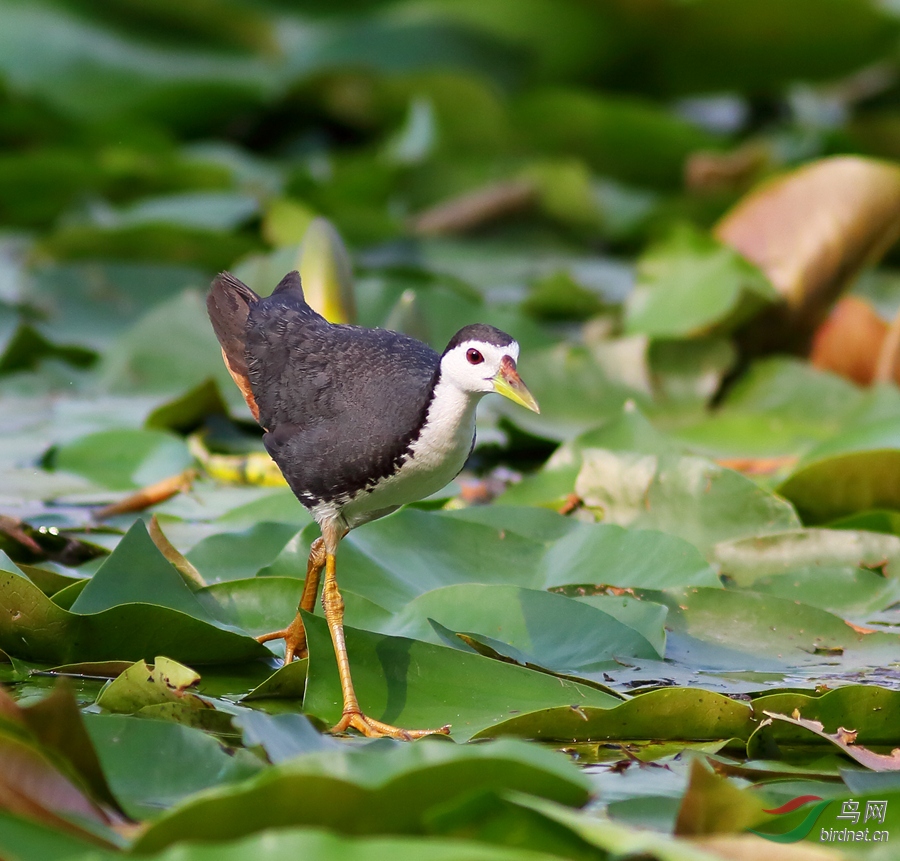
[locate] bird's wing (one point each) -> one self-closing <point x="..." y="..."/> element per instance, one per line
<point x="341" y="403"/>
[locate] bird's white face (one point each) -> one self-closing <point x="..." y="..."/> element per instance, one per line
<point x="478" y="366"/>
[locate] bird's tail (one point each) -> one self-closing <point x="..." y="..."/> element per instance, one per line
<point x="228" y="304"/>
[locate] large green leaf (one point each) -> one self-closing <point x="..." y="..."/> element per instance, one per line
<point x="35" y="628"/>
<point x="234" y="555"/>
<point x="549" y="630"/>
<point x="780" y="406"/>
<point x="706" y="47"/>
<point x="312" y="843"/>
<point x="672" y="713"/>
<point x="212" y="210"/>
<point x="629" y="558"/>
<point x="390" y="790"/>
<point x="418" y="685"/>
<point x="871" y="711"/>
<point x="25" y="838"/>
<point x="123" y="459"/>
<point x="260" y="604"/>
<point x="395" y="559"/>
<point x="629" y="139"/>
<point x="94" y="302"/>
<point x="690" y="497"/>
<point x="745" y="631"/>
<point x="27" y="347"/>
<point x="412" y="552"/>
<point x="692" y="285"/>
<point x="171" y="348"/>
<point x="95" y="74"/>
<point x="554" y="483"/>
<point x="137" y="572"/>
<point x="145" y="785"/>
<point x="854" y="471"/>
<point x="282" y="736"/>
<point x="847" y="572"/>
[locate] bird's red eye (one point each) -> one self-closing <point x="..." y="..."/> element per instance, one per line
<point x="474" y="357"/>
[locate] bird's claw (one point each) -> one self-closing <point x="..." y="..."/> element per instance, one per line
<point x="294" y="636"/>
<point x="372" y="728"/>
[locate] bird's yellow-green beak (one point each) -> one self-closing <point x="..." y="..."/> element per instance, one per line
<point x="508" y="383"/>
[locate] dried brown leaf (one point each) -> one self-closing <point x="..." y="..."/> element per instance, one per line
<point x="758" y="465"/>
<point x="153" y="494"/>
<point x="31" y="786"/>
<point x="850" y="341"/>
<point x="845" y="739"/>
<point x="811" y="231"/>
<point x="191" y="575"/>
<point x="476" y="208"/>
<point x="710" y="172"/>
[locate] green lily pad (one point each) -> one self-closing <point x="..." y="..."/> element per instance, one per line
<point x="282" y="736"/>
<point x="137" y="572"/>
<point x="27" y="347"/>
<point x="124" y="459"/>
<point x="145" y="785"/>
<point x="85" y="55"/>
<point x="272" y="506"/>
<point x="628" y="139"/>
<point x="35" y="628"/>
<point x="645" y="616"/>
<point x="690" y="497"/>
<point x="535" y="523"/>
<point x="390" y="790"/>
<point x="165" y="682"/>
<point x="411" y="552"/>
<point x="869" y="710"/>
<point x="288" y="682"/>
<point x="691" y="285"/>
<point x="418" y="685"/>
<point x="854" y="471"/>
<point x="846" y="572"/>
<point x="186" y="412"/>
<point x="550" y="630"/>
<point x="629" y="558"/>
<point x="750" y="631"/>
<point x="70" y="290"/>
<point x="170" y="349"/>
<point x="210" y="210"/>
<point x="781" y="406"/>
<point x="877" y="520"/>
<point x="24" y="838"/>
<point x="395" y="559"/>
<point x="257" y="605"/>
<point x="573" y="390"/>
<point x="669" y="714"/>
<point x="554" y="483"/>
<point x="687" y="372"/>
<point x="236" y="555"/>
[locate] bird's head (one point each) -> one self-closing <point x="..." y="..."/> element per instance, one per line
<point x="482" y="359"/>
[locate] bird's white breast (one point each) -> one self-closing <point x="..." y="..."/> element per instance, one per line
<point x="436" y="456"/>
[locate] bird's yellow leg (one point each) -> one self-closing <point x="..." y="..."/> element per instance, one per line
<point x="294" y="635"/>
<point x="353" y="716"/>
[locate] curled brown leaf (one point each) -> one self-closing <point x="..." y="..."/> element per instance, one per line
<point x="846" y="740"/>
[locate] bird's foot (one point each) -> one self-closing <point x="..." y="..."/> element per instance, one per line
<point x="294" y="636"/>
<point x="372" y="728"/>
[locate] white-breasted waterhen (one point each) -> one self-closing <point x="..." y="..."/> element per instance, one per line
<point x="360" y="421"/>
